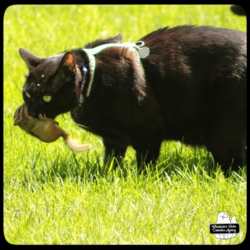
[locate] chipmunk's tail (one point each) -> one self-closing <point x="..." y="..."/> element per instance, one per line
<point x="75" y="145"/>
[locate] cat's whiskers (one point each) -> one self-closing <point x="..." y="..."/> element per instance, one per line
<point x="80" y="125"/>
<point x="75" y="122"/>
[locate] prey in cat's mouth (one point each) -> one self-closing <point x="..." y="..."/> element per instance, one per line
<point x="45" y="129"/>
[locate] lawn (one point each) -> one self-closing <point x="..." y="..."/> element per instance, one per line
<point x="55" y="196"/>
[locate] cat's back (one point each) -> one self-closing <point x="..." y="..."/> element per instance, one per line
<point x="192" y="54"/>
<point x="191" y="70"/>
<point x="194" y="37"/>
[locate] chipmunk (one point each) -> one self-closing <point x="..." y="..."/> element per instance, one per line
<point x="45" y="129"/>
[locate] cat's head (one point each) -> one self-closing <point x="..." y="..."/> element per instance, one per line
<point x="50" y="84"/>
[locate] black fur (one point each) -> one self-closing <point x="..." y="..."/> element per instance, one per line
<point x="194" y="90"/>
<point x="238" y="10"/>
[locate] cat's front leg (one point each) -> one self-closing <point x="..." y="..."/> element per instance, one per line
<point x="114" y="149"/>
<point x="147" y="150"/>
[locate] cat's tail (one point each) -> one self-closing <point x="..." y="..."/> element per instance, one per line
<point x="238" y="10"/>
<point x="75" y="145"/>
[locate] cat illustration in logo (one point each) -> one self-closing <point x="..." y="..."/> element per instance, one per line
<point x="223" y="218"/>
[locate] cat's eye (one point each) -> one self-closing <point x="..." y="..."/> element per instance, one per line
<point x="27" y="94"/>
<point x="47" y="98"/>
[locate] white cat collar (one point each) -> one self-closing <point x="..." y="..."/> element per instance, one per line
<point x="142" y="52"/>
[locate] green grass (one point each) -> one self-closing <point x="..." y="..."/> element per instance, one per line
<point x="55" y="196"/>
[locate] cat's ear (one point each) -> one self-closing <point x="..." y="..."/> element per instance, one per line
<point x="64" y="64"/>
<point x="69" y="61"/>
<point x="31" y="59"/>
<point x="116" y="39"/>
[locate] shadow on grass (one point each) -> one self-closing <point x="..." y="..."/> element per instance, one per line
<point x="91" y="167"/>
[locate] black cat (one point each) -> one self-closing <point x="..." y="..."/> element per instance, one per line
<point x="187" y="83"/>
